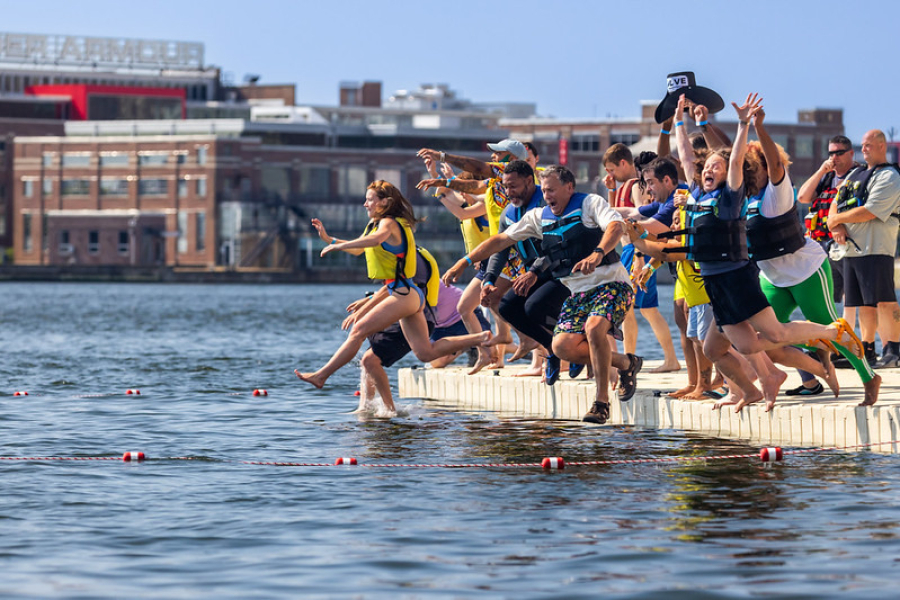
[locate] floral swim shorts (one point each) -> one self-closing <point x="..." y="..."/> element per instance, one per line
<point x="610" y="301"/>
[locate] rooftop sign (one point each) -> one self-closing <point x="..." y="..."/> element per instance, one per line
<point x="27" y="48"/>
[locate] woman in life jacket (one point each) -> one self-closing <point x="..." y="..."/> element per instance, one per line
<point x="389" y="247"/>
<point x="794" y="270"/>
<point x="717" y="241"/>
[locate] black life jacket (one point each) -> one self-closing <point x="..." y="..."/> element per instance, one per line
<point x="528" y="249"/>
<point x="566" y="240"/>
<point x="855" y="190"/>
<point x="770" y="237"/>
<point x="707" y="237"/>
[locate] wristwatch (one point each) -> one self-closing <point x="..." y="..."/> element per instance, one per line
<point x="599" y="250"/>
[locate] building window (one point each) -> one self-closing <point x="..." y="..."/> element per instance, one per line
<point x="181" y="158"/>
<point x="585" y="143"/>
<point x="352" y="181"/>
<point x="582" y="171"/>
<point x="76" y="159"/>
<point x="201" y="231"/>
<point x="114" y="159"/>
<point x="153" y="187"/>
<point x="182" y="188"/>
<point x="803" y="146"/>
<point x="201" y="187"/>
<point x="156" y="159"/>
<point x="624" y="138"/>
<point x="47" y="186"/>
<point x="316" y="182"/>
<point x="123" y="242"/>
<point x="94" y="242"/>
<point x="65" y="246"/>
<point x="74" y="187"/>
<point x="27" y="240"/>
<point x="113" y="186"/>
<point x="201" y="155"/>
<point x="27" y="188"/>
<point x="182" y="245"/>
<point x="47" y="159"/>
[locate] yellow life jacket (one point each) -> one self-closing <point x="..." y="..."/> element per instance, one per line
<point x="385" y="264"/>
<point x="433" y="285"/>
<point x="474" y="232"/>
<point x="691" y="285"/>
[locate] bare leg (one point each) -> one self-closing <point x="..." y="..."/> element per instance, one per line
<point x="717" y="348"/>
<point x="664" y="337"/>
<point x="630" y="331"/>
<point x="376" y="373"/>
<point x="466" y="308"/>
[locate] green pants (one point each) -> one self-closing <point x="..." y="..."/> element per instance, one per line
<point x="814" y="296"/>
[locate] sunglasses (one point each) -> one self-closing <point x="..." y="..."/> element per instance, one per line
<point x="839" y="152"/>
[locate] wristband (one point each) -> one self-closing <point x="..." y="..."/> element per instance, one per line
<point x="653" y="269"/>
<point x="702" y="123"/>
<point x="333" y="240"/>
<point x="468" y="260"/>
<point x="665" y="132"/>
<point x="644" y="235"/>
<point x="744" y="122"/>
<point x="439" y="196"/>
<point x="679" y="123"/>
<point x="443" y="157"/>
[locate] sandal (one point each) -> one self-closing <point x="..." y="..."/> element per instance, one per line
<point x="599" y="413"/>
<point x="628" y="378"/>
<point x="844" y="327"/>
<point x="822" y="342"/>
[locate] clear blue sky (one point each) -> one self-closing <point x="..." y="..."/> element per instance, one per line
<point x="573" y="58"/>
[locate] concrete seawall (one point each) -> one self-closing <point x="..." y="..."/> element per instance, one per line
<point x="819" y="421"/>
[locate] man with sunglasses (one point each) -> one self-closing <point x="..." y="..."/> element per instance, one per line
<point x="864" y="215"/>
<point x="819" y="190"/>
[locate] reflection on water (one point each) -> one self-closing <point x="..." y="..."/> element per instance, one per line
<point x="816" y="526"/>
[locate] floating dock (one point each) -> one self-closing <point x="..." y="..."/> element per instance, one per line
<point x="813" y="421"/>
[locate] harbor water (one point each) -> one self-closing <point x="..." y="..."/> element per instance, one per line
<point x="216" y="526"/>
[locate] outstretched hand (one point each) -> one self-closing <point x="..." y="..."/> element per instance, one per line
<point x="429" y="153"/>
<point x="750" y="106"/>
<point x="429" y="183"/>
<point x="320" y="229"/>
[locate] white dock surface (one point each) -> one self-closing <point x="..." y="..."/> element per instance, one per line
<point x="817" y="421"/>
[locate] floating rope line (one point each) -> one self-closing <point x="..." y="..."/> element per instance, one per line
<point x="766" y="455"/>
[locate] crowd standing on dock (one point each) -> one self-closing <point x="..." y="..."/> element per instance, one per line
<point x="720" y="213"/>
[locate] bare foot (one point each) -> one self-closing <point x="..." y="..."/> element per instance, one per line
<point x="484" y="359"/>
<point x="497" y="340"/>
<point x="830" y="376"/>
<point x="748" y="400"/>
<point x="523" y="350"/>
<point x="679" y="393"/>
<point x="770" y="386"/>
<point x="530" y="372"/>
<point x="667" y="368"/>
<point x="871" y="387"/>
<point x="729" y="400"/>
<point x="310" y="378"/>
<point x="696" y="394"/>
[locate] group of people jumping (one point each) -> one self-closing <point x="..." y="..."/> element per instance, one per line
<point x="721" y="214"/>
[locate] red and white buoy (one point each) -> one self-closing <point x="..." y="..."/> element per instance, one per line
<point x="133" y="457"/>
<point x="132" y="392"/>
<point x="20" y="394"/>
<point x="554" y="462"/>
<point x="260" y="392"/>
<point x="345" y="461"/>
<point x="771" y="454"/>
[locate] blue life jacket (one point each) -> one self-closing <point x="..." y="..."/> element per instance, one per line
<point x="566" y="239"/>
<point x="707" y="237"/>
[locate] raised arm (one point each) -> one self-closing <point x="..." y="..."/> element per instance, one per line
<point x="808" y="191"/>
<point x="665" y="132"/>
<point x="770" y="150"/>
<point x="683" y="144"/>
<point x="736" y="165"/>
<point x="479" y="168"/>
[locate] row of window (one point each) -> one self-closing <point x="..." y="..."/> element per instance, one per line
<point x="65" y="246"/>
<point x="115" y="186"/>
<point x="123" y="159"/>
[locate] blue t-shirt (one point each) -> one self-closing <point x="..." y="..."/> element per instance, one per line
<point x="663" y="212"/>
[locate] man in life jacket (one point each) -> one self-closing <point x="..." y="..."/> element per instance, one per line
<point x="864" y="215"/>
<point x="578" y="233"/>
<point x="819" y="191"/>
<point x="656" y="217"/>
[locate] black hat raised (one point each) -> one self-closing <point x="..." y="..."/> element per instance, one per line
<point x="684" y="83"/>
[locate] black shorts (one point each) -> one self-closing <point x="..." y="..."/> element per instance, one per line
<point x="390" y="345"/>
<point x="735" y="296"/>
<point x="868" y="280"/>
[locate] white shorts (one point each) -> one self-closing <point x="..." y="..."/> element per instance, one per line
<point x="700" y="318"/>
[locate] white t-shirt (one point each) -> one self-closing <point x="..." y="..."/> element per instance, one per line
<point x="596" y="213"/>
<point x="797" y="267"/>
